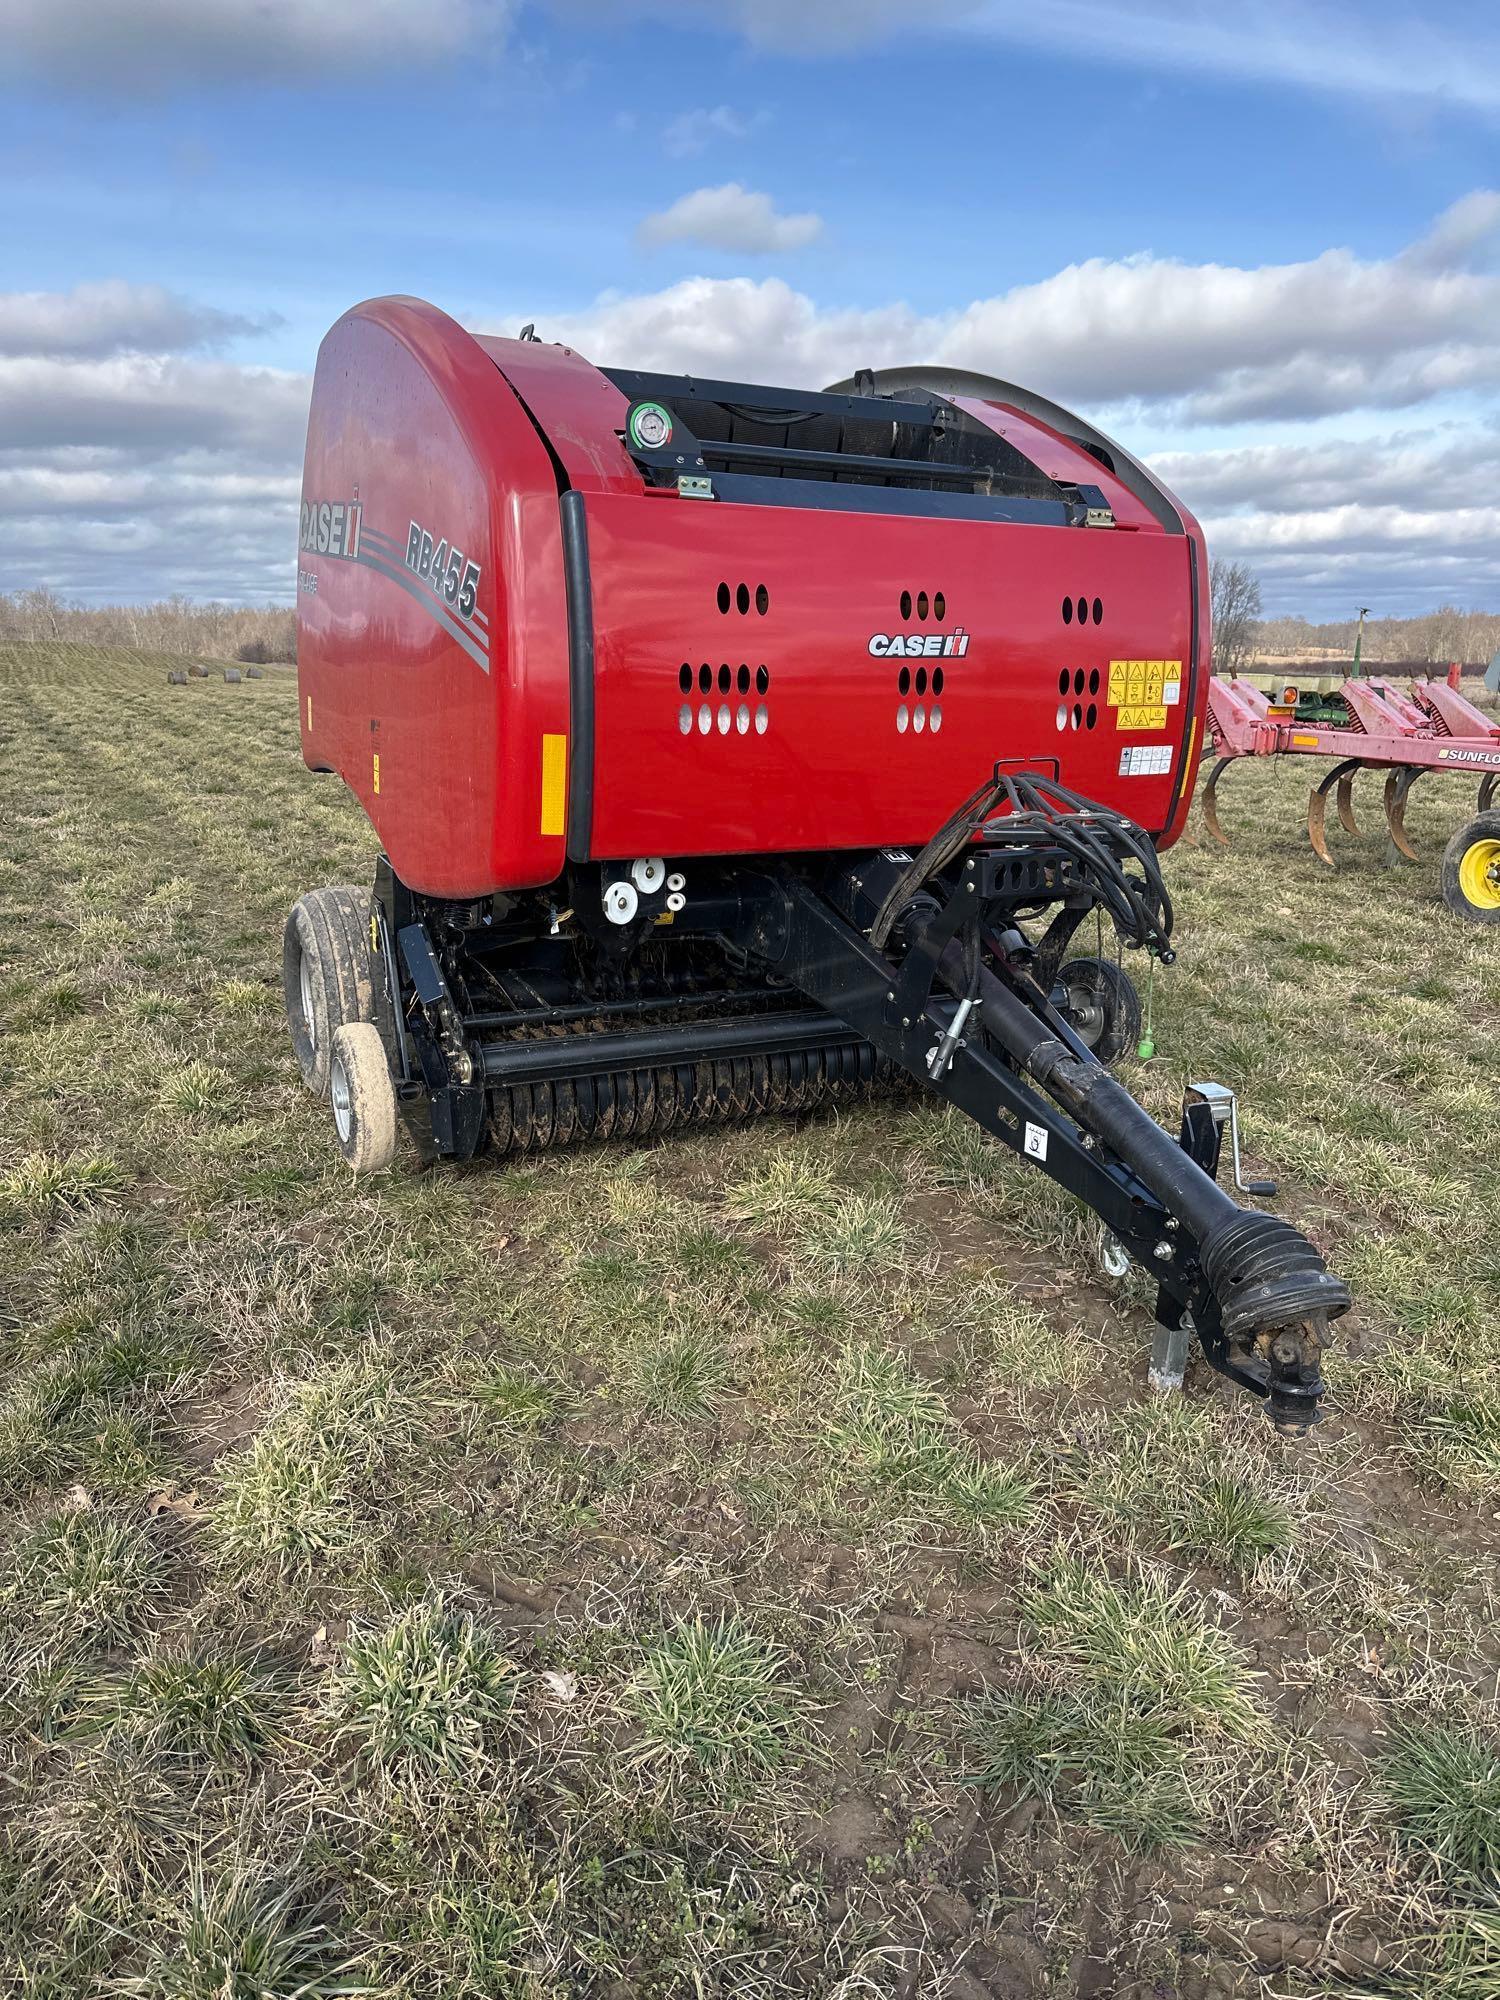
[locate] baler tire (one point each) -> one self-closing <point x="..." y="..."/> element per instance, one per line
<point x="362" y="1097"/>
<point x="327" y="938"/>
<point x="1471" y="871"/>
<point x="1112" y="1023"/>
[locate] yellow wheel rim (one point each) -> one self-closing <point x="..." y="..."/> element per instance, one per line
<point x="1479" y="875"/>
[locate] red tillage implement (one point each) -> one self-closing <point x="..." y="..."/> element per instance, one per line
<point x="1431" y="728"/>
<point x="735" y="749"/>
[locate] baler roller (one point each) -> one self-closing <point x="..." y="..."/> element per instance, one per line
<point x="646" y="1103"/>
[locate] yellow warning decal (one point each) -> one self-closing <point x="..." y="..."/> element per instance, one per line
<point x="1144" y="684"/>
<point x="554" y="783"/>
<point x="309" y="713"/>
<point x="375" y="770"/>
<point x="1304" y="742"/>
<point x="1141" y="718"/>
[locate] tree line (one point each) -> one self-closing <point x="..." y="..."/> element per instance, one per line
<point x="260" y="632"/>
<point x="269" y="631"/>
<point x="1242" y="636"/>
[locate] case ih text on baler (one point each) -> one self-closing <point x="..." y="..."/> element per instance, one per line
<point x="737" y="749"/>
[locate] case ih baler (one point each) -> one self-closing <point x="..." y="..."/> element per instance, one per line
<point x="734" y="749"/>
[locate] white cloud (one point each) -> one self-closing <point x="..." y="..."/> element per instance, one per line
<point x="112" y="317"/>
<point x="1381" y="50"/>
<point x="126" y="471"/>
<point x="1435" y="469"/>
<point x="731" y="218"/>
<point x="791" y="27"/>
<point x="1196" y="343"/>
<point x="1442" y="55"/>
<point x="694" y="131"/>
<point x="152" y="405"/>
<point x="127" y="475"/>
<point x="1446" y="55"/>
<point x="143" y="46"/>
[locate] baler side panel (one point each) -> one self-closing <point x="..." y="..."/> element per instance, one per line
<point x="443" y="706"/>
<point x="1061" y="458"/>
<point x="578" y="409"/>
<point x="819" y="759"/>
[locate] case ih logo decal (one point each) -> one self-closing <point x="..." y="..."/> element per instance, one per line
<point x="331" y="528"/>
<point x="920" y="645"/>
<point x="429" y="568"/>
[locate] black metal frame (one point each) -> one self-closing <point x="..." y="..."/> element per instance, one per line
<point x="787" y="474"/>
<point x="948" y="989"/>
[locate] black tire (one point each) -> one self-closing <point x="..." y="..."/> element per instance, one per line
<point x="1471" y="871"/>
<point x="325" y="975"/>
<point x="362" y="1097"/>
<point x="1101" y="1006"/>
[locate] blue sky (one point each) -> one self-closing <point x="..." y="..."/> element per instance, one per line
<point x="1220" y="232"/>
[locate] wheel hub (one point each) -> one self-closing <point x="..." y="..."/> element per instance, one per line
<point x="338" y="1091"/>
<point x="1479" y="875"/>
<point x="1086" y="1007"/>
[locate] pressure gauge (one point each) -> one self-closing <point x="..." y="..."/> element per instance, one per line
<point x="650" y="426"/>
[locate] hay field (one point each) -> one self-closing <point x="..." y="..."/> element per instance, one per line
<point x="749" y="1565"/>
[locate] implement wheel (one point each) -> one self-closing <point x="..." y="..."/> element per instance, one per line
<point x="325" y="974"/>
<point x="1471" y="871"/>
<point x="1101" y="1006"/>
<point x="362" y="1097"/>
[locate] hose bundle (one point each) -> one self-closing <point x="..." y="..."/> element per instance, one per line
<point x="1040" y="811"/>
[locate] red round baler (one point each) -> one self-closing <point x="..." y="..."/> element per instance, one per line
<point x="736" y="748"/>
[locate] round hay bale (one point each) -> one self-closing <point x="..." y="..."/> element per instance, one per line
<point x="198" y="671"/>
<point x="254" y="674"/>
<point x="232" y="674"/>
<point x="177" y="676"/>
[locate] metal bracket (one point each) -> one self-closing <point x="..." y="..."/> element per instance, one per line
<point x="1167" y="1369"/>
<point x="694" y="486"/>
<point x="1223" y="1107"/>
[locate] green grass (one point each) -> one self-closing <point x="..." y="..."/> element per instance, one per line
<point x="83" y="1579"/>
<point x="304" y="1492"/>
<point x="1147" y="1644"/>
<point x="197" y="1708"/>
<point x="1115" y="1770"/>
<point x="715" y="1701"/>
<point x="1128" y="1731"/>
<point x="746" y="1563"/>
<point x="40" y="1185"/>
<point x="424" y="1696"/>
<point x="1443" y="1788"/>
<point x="241" y="1937"/>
